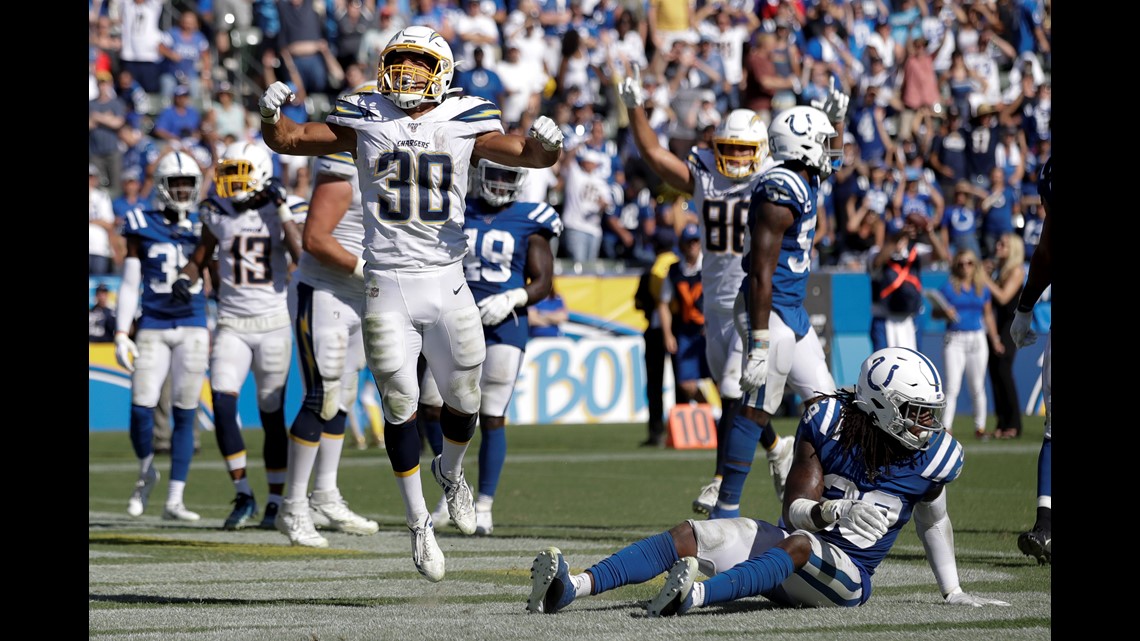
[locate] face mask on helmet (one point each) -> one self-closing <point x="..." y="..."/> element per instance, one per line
<point x="243" y="171"/>
<point x="740" y="144"/>
<point x="902" y="391"/>
<point x="178" y="180"/>
<point x="498" y="184"/>
<point x="415" y="67"/>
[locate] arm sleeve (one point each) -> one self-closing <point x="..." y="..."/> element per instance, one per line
<point x="128" y="295"/>
<point x="934" y="530"/>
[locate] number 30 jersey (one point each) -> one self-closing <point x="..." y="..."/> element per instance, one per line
<point x="414" y="175"/>
<point x="499" y="242"/>
<point x="722" y="205"/>
<point x="253" y="263"/>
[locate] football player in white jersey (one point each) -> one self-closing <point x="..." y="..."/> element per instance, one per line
<point x="721" y="181"/>
<point x="329" y="292"/>
<point x="414" y="143"/>
<point x="249" y="226"/>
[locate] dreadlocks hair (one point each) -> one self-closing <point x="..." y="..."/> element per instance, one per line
<point x="860" y="436"/>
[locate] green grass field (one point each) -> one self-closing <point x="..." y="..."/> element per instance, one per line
<point x="587" y="489"/>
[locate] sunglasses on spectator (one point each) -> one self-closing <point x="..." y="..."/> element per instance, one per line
<point x="965" y="263"/>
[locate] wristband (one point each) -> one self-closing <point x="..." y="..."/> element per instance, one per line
<point x="284" y="213"/>
<point x="1024" y="310"/>
<point x="358" y="271"/>
<point x="799" y="515"/>
<point x="271" y="120"/>
<point x="759" y="338"/>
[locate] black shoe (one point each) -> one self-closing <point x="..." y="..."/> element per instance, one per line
<point x="1037" y="543"/>
<point x="653" y="441"/>
<point x="270" y="517"/>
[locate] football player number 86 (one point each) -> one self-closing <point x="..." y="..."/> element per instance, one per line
<point x="428" y="198"/>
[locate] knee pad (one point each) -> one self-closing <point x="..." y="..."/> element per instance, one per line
<point x="384" y="343"/>
<point x="500" y="371"/>
<point x="469" y="346"/>
<point x="723" y="543"/>
<point x="464" y="388"/>
<point x="225" y="376"/>
<point x="195" y="354"/>
<point x="399" y="398"/>
<point x="331" y="352"/>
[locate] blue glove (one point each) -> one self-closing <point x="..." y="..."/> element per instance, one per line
<point x="275" y="191"/>
<point x="180" y="290"/>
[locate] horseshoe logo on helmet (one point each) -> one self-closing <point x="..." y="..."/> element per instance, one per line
<point x="871" y="373"/>
<point x="792" y="125"/>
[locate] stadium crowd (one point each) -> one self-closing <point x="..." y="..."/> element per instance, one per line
<point x="945" y="96"/>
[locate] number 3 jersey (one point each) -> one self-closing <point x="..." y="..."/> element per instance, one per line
<point x="414" y="175"/>
<point x="896" y="490"/>
<point x="253" y="262"/>
<point x="723" y="207"/>
<point x="164" y="247"/>
<point x="498" y="243"/>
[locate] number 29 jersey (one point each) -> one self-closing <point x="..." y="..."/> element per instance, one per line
<point x="722" y="205"/>
<point x="895" y="491"/>
<point x="414" y="175"/>
<point x="498" y="244"/>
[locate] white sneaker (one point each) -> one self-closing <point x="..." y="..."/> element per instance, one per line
<point x="294" y="522"/>
<point x="675" y="596"/>
<point x="330" y="511"/>
<point x="706" y="500"/>
<point x="178" y="512"/>
<point x="460" y="502"/>
<point x="780" y="463"/>
<point x="136" y="505"/>
<point x="483" y="526"/>
<point x="425" y="551"/>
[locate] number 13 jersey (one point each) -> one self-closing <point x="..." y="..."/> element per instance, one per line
<point x="414" y="175"/>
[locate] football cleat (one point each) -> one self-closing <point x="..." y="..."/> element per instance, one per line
<point x="1037" y="543"/>
<point x="269" y="519"/>
<point x="780" y="463"/>
<point x="676" y="596"/>
<point x="330" y="512"/>
<point x="178" y="512"/>
<point x="460" y="503"/>
<point x="483" y="525"/>
<point x="706" y="500"/>
<point x="425" y="551"/>
<point x="296" y="523"/>
<point x="136" y="505"/>
<point x="245" y="508"/>
<point x="550" y="586"/>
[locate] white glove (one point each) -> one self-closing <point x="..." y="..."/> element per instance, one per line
<point x="860" y="517"/>
<point x="270" y="102"/>
<point x="546" y="132"/>
<point x="958" y="597"/>
<point x="756" y="363"/>
<point x="631" y="91"/>
<point x="494" y="309"/>
<point x="125" y="351"/>
<point x="834" y="105"/>
<point x="1020" y="330"/>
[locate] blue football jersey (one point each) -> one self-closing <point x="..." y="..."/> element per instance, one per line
<point x="164" y="248"/>
<point x="895" y="490"/>
<point x="497" y="244"/>
<point x="784" y="187"/>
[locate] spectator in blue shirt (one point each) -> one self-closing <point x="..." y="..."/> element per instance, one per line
<point x="481" y="81"/>
<point x="547" y="315"/>
<point x="178" y="117"/>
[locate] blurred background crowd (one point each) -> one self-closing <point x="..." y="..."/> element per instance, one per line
<point x="949" y="117"/>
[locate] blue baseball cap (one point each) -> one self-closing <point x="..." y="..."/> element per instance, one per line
<point x="690" y="232"/>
